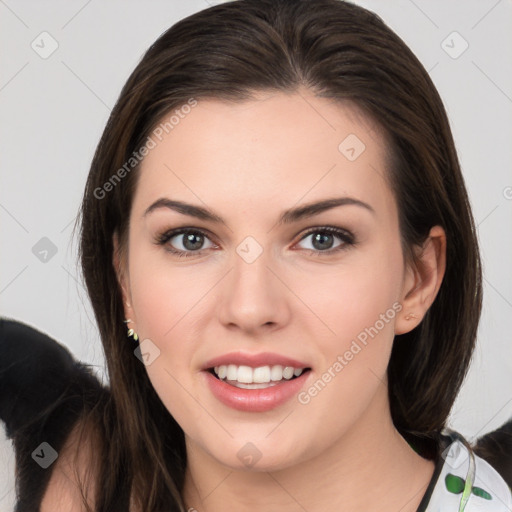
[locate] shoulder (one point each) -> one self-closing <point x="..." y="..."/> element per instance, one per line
<point x="467" y="482"/>
<point x="72" y="482"/>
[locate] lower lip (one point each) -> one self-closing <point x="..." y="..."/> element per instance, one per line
<point x="255" y="400"/>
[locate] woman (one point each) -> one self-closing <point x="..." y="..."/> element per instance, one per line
<point x="275" y="214"/>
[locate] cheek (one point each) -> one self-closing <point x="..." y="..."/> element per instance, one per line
<point x="162" y="295"/>
<point x="352" y="296"/>
<point x="358" y="302"/>
<point x="359" y="305"/>
<point x="163" y="300"/>
<point x="166" y="300"/>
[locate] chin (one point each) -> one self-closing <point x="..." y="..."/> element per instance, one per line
<point x="258" y="455"/>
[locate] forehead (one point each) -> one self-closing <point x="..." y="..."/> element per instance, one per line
<point x="277" y="147"/>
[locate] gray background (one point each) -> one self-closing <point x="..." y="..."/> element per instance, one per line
<point x="54" y="110"/>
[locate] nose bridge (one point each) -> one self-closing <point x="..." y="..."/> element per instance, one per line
<point x="251" y="279"/>
<point x="250" y="266"/>
<point x="254" y="297"/>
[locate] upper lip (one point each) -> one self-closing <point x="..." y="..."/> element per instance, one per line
<point x="254" y="360"/>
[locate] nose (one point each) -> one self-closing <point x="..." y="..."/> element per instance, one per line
<point x="253" y="298"/>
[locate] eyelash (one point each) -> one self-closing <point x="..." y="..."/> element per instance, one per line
<point x="346" y="237"/>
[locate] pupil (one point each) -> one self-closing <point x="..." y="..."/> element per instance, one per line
<point x="188" y="241"/>
<point x="320" y="237"/>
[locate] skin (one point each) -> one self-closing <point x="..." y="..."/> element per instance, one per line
<point x="248" y="162"/>
<point x="74" y="469"/>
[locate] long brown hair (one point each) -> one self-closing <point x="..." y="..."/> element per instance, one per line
<point x="338" y="50"/>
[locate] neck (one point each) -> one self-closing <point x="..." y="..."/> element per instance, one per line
<point x="370" y="467"/>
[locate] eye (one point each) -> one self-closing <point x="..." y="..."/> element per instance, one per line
<point x="323" y="240"/>
<point x="188" y="242"/>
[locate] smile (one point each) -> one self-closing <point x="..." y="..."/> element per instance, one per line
<point x="255" y="378"/>
<point x="255" y="396"/>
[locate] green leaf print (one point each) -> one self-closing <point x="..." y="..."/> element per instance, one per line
<point x="455" y="484"/>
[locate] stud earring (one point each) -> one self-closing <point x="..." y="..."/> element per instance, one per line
<point x="410" y="316"/>
<point x="131" y="332"/>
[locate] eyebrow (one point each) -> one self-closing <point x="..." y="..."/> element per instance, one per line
<point x="287" y="217"/>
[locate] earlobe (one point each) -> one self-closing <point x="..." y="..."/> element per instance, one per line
<point x="422" y="281"/>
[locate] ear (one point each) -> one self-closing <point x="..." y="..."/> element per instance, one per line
<point x="119" y="262"/>
<point x="422" y="281"/>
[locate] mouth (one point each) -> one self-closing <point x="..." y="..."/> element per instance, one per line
<point x="261" y="377"/>
<point x="255" y="389"/>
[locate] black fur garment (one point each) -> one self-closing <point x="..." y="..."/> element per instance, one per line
<point x="43" y="392"/>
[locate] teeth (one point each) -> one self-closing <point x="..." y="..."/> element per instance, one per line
<point x="259" y="375"/>
<point x="232" y="372"/>
<point x="288" y="372"/>
<point x="221" y="371"/>
<point x="244" y="374"/>
<point x="276" y="373"/>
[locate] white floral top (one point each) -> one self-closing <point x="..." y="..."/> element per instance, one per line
<point x="464" y="482"/>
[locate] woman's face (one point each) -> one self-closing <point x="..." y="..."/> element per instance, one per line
<point x="267" y="281"/>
